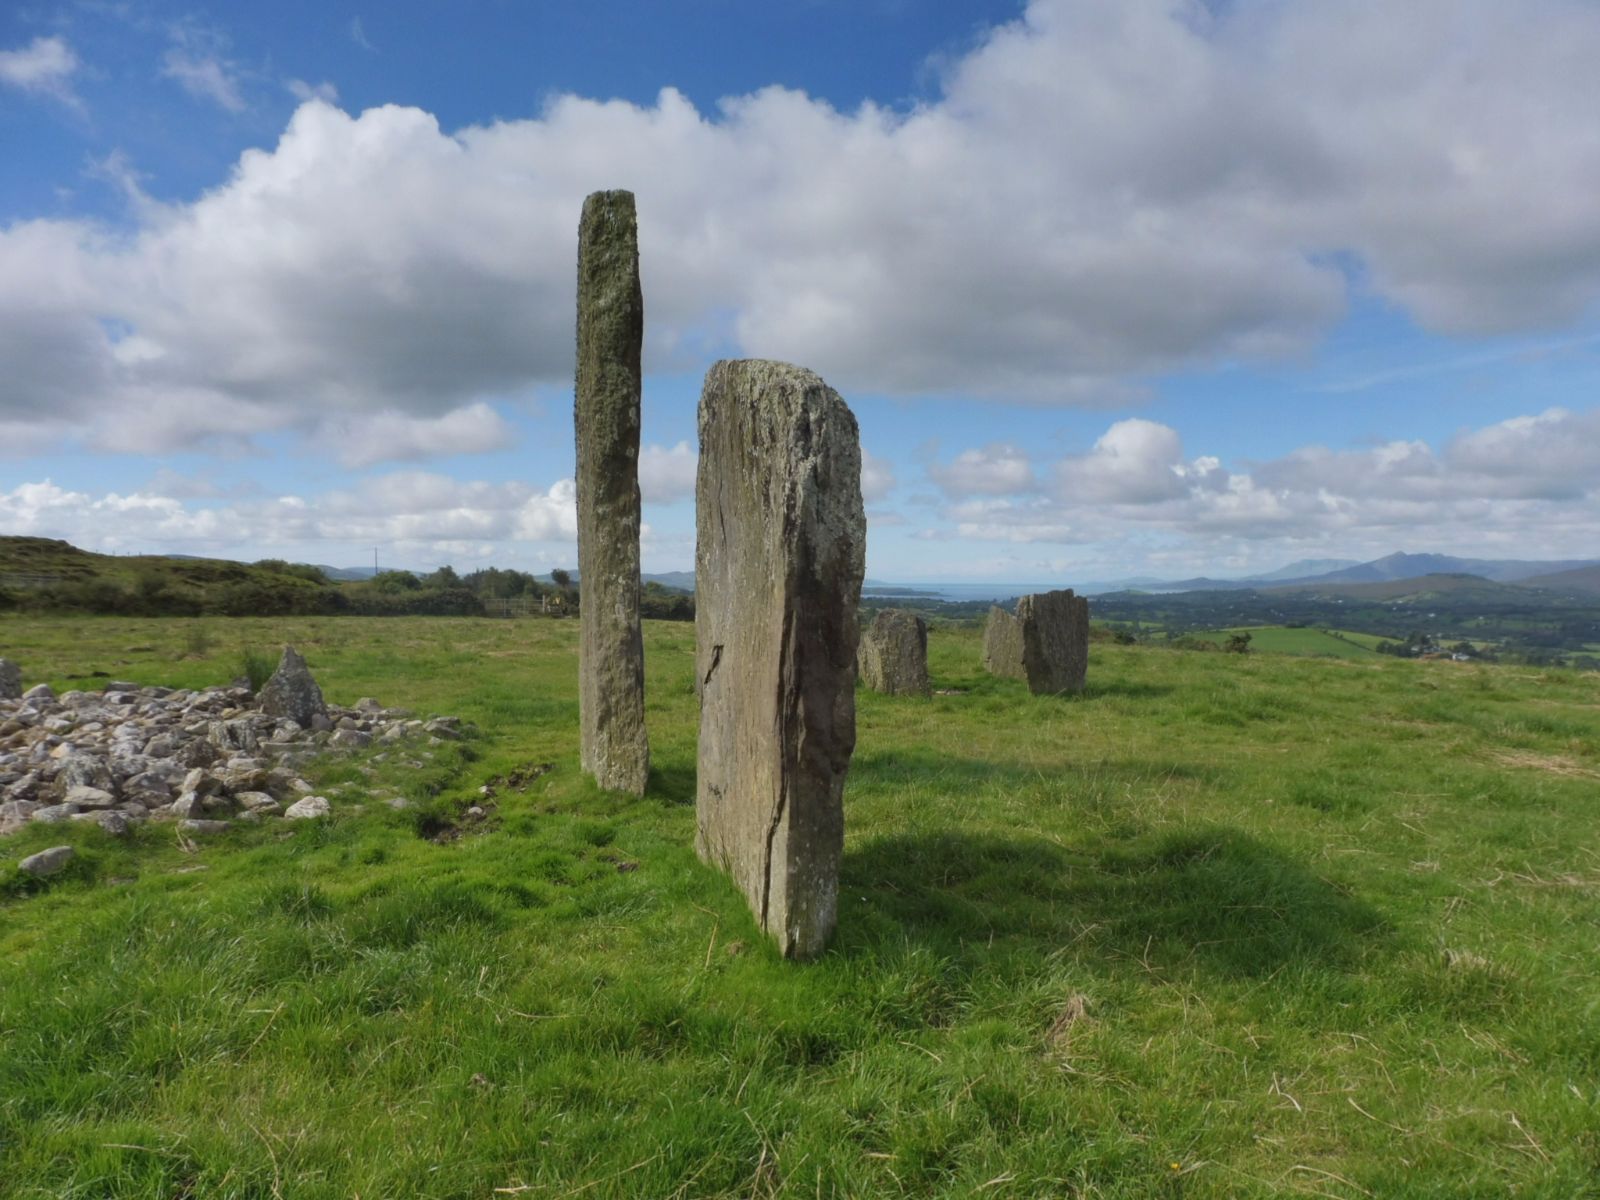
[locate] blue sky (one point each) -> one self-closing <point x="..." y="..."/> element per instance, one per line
<point x="1114" y="287"/>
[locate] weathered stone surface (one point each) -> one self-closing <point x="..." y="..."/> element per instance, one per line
<point x="779" y="557"/>
<point x="114" y="823"/>
<point x="307" y="808"/>
<point x="292" y="692"/>
<point x="82" y="770"/>
<point x="89" y="797"/>
<point x="40" y="691"/>
<point x="894" y="654"/>
<point x="51" y="814"/>
<point x="1055" y="641"/>
<point x="10" y="680"/>
<point x="47" y="862"/>
<point x="613" y="746"/>
<point x="1002" y="644"/>
<point x="1045" y="643"/>
<point x="203" y="828"/>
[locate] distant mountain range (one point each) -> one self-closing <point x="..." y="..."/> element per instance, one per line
<point x="1540" y="573"/>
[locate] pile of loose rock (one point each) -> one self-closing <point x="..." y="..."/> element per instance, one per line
<point x="203" y="758"/>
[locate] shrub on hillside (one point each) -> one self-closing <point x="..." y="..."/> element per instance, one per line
<point x="367" y="601"/>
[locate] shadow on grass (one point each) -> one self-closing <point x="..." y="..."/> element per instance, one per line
<point x="884" y="767"/>
<point x="672" y="782"/>
<point x="1214" y="898"/>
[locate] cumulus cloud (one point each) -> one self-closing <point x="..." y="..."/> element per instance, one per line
<point x="1135" y="462"/>
<point x="46" y="66"/>
<point x="1102" y="191"/>
<point x="400" y="437"/>
<point x="998" y="469"/>
<point x="1495" y="491"/>
<point x="667" y="473"/>
<point x="408" y="512"/>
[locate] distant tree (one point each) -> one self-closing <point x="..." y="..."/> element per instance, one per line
<point x="395" y="581"/>
<point x="1238" y="643"/>
<point x="444" y="577"/>
<point x="561" y="579"/>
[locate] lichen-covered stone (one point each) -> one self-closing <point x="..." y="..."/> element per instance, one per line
<point x="1002" y="644"/>
<point x="613" y="746"/>
<point x="1045" y="643"/>
<point x="10" y="680"/>
<point x="779" y="557"/>
<point x="1055" y="641"/>
<point x="47" y="862"/>
<point x="894" y="653"/>
<point x="292" y="692"/>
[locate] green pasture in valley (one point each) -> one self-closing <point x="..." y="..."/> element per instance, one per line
<point x="1221" y="926"/>
<point x="1286" y="639"/>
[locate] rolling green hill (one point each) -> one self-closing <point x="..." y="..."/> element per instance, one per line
<point x="1584" y="579"/>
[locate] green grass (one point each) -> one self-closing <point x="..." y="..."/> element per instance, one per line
<point x="1222" y="926"/>
<point x="1285" y="639"/>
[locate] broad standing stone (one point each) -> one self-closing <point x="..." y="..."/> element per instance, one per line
<point x="779" y="556"/>
<point x="10" y="680"/>
<point x="1002" y="644"/>
<point x="291" y="692"/>
<point x="894" y="654"/>
<point x="1055" y="641"/>
<point x="613" y="746"/>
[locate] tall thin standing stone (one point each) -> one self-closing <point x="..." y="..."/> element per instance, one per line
<point x="779" y="557"/>
<point x="613" y="748"/>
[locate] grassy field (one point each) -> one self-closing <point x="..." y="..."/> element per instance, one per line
<point x="1286" y="639"/>
<point x="1222" y="926"/>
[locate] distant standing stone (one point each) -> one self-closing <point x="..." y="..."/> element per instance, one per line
<point x="292" y="692"/>
<point x="613" y="744"/>
<point x="46" y="862"/>
<point x="10" y="680"/>
<point x="1002" y="644"/>
<point x="1045" y="643"/>
<point x="779" y="557"/>
<point x="894" y="653"/>
<point x="1055" y="641"/>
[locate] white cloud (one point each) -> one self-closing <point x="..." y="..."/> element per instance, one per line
<point x="667" y="473"/>
<point x="411" y="514"/>
<point x="205" y="77"/>
<point x="358" y="35"/>
<point x="1102" y="192"/>
<point x="46" y="66"/>
<point x="398" y="437"/>
<point x="1525" y="487"/>
<point x="303" y="91"/>
<point x="1134" y="462"/>
<point x="998" y="469"/>
<point x="877" y="477"/>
